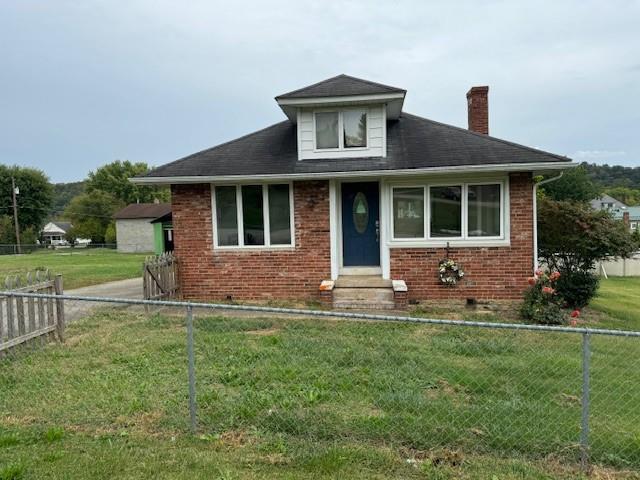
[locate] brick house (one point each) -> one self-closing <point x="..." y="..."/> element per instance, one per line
<point x="353" y="201"/>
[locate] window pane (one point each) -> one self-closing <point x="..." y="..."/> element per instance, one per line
<point x="252" y="215"/>
<point x="355" y="128"/>
<point x="408" y="212"/>
<point x="446" y="211"/>
<point x="484" y="210"/>
<point x="327" y="130"/>
<point x="279" y="215"/>
<point x="227" y="216"/>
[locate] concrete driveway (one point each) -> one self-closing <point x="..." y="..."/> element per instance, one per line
<point x="129" y="288"/>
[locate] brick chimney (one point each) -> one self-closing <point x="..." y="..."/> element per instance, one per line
<point x="478" y="109"/>
<point x="625" y="219"/>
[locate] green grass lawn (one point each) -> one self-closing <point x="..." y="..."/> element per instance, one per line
<point x="287" y="398"/>
<point x="619" y="298"/>
<point x="79" y="267"/>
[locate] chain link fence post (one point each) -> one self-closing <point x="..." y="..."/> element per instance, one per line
<point x="584" y="424"/>
<point x="192" y="370"/>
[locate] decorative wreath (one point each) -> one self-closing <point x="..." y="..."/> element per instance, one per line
<point x="450" y="272"/>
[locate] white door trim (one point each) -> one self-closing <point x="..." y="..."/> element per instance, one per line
<point x="385" y="228"/>
<point x="335" y="223"/>
<point x="334" y="229"/>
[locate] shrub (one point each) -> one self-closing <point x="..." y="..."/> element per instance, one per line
<point x="577" y="287"/>
<point x="573" y="238"/>
<point x="110" y="233"/>
<point x="542" y="303"/>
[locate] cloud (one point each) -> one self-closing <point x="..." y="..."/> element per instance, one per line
<point x="84" y="83"/>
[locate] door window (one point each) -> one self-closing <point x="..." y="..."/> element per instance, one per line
<point x="360" y="213"/>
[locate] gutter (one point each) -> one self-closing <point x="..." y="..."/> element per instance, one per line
<point x="489" y="168"/>
<point x="535" y="217"/>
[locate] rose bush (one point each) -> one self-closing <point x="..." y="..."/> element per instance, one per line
<point x="542" y="304"/>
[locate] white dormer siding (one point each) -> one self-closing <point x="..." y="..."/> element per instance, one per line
<point x="376" y="134"/>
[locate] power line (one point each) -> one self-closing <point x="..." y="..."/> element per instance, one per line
<point x="57" y="212"/>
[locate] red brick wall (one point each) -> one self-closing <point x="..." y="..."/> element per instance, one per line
<point x="491" y="273"/>
<point x="251" y="275"/>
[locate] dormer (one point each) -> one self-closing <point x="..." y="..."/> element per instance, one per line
<point x="342" y="117"/>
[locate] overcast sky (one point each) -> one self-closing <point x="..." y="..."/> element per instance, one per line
<point x="86" y="82"/>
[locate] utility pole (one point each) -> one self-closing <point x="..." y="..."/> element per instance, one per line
<point x="15" y="213"/>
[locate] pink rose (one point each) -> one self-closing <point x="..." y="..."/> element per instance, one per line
<point x="554" y="276"/>
<point x="532" y="281"/>
<point x="539" y="272"/>
<point x="575" y="313"/>
<point x="548" y="290"/>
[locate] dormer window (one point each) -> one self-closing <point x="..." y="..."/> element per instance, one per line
<point x="327" y="130"/>
<point x="340" y="130"/>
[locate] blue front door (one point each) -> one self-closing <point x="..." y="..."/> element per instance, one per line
<point x="360" y="224"/>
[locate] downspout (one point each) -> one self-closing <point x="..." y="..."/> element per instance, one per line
<point x="535" y="217"/>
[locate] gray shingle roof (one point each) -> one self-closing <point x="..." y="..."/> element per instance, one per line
<point x="412" y="142"/>
<point x="143" y="210"/>
<point x="66" y="226"/>
<point x="339" y="86"/>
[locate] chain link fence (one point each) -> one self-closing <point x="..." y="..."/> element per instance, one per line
<point x="415" y="385"/>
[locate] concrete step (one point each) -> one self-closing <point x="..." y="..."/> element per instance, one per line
<point x="339" y="305"/>
<point x="362" y="281"/>
<point x="363" y="298"/>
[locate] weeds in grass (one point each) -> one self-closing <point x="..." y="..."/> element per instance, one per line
<point x="12" y="472"/>
<point x="54" y="434"/>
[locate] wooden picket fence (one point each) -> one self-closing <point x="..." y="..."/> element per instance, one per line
<point x="31" y="319"/>
<point x="160" y="277"/>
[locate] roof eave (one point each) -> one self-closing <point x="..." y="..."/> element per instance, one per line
<point x="537" y="168"/>
<point x="290" y="105"/>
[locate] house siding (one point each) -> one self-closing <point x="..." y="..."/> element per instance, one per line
<point x="491" y="273"/>
<point x="208" y="273"/>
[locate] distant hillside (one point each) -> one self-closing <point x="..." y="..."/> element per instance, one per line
<point x="614" y="176"/>
<point x="63" y="193"/>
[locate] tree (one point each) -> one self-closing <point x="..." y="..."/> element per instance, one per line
<point x="628" y="196"/>
<point x="572" y="237"/>
<point x="63" y="193"/>
<point x="7" y="231"/>
<point x="110" y="234"/>
<point x="34" y="200"/>
<point x="613" y="175"/>
<point x="91" y="214"/>
<point x="574" y="186"/>
<point x="113" y="178"/>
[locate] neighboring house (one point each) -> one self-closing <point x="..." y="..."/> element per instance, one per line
<point x="54" y="233"/>
<point x="620" y="211"/>
<point x="135" y="231"/>
<point x="352" y="192"/>
<point x="630" y="216"/>
<point x="607" y="202"/>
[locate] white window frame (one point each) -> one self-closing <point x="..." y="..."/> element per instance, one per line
<point x="466" y="211"/>
<point x="424" y="214"/>
<point x="463" y="210"/>
<point x="464" y="240"/>
<point x="341" y="147"/>
<point x="265" y="215"/>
